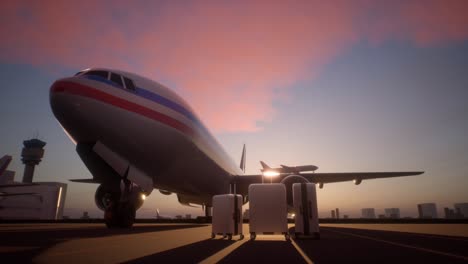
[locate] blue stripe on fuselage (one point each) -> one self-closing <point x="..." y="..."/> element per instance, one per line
<point x="152" y="97"/>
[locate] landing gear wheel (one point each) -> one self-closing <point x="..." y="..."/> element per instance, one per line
<point x="120" y="215"/>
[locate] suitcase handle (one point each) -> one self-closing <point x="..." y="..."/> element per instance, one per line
<point x="310" y="209"/>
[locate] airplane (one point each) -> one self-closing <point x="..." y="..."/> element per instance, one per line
<point x="135" y="135"/>
<point x="159" y="216"/>
<point x="4" y="162"/>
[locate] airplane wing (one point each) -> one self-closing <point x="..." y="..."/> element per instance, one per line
<point x="243" y="181"/>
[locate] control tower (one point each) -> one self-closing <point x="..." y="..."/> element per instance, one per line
<point x="32" y="154"/>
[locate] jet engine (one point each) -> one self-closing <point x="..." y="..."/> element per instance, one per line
<point x="105" y="195"/>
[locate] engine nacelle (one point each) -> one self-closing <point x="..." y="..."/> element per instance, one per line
<point x="357" y="181"/>
<point x="288" y="182"/>
<point x="105" y="195"/>
<point x="164" y="192"/>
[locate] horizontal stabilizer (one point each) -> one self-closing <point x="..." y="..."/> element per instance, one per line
<point x="84" y="180"/>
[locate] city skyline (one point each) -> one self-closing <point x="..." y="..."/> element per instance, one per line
<point x="344" y="86"/>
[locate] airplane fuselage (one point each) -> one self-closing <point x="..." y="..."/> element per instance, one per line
<point x="148" y="126"/>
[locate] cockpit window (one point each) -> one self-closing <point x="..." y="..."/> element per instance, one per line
<point x="116" y="79"/>
<point x="102" y="74"/>
<point x="129" y="84"/>
<point x="79" y="73"/>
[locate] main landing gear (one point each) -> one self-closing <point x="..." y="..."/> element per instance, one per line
<point x="119" y="205"/>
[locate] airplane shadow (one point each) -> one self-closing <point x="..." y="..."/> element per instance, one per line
<point x="263" y="251"/>
<point x="192" y="253"/>
<point x="36" y="241"/>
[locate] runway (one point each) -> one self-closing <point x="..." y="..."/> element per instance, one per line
<point x="191" y="243"/>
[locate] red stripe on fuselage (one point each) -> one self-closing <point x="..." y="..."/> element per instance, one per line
<point x="85" y="91"/>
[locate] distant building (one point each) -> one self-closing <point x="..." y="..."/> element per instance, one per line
<point x="368" y="213"/>
<point x="337" y="213"/>
<point x="449" y="213"/>
<point x="462" y="209"/>
<point x="381" y="216"/>
<point x="85" y="215"/>
<point x="44" y="200"/>
<point x="188" y="216"/>
<point x="333" y="214"/>
<point x="427" y="210"/>
<point x="178" y="217"/>
<point x="393" y="213"/>
<point x="28" y="199"/>
<point x="345" y="216"/>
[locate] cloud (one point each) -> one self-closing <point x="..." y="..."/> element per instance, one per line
<point x="231" y="60"/>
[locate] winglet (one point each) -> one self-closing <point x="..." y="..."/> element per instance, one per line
<point x="242" y="162"/>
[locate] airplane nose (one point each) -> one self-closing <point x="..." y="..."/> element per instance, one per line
<point x="56" y="102"/>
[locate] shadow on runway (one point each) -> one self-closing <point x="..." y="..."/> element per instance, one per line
<point x="34" y="242"/>
<point x="264" y="251"/>
<point x="372" y="246"/>
<point x="192" y="253"/>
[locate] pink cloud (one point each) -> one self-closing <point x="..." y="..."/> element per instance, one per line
<point x="231" y="60"/>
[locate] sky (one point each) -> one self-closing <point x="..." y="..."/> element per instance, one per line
<point x="344" y="85"/>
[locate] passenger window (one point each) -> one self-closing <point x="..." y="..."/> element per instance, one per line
<point x="116" y="79"/>
<point x="102" y="74"/>
<point x="129" y="84"/>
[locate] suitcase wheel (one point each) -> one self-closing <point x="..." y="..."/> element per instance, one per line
<point x="252" y="236"/>
<point x="213" y="235"/>
<point x="229" y="237"/>
<point x="287" y="237"/>
<point x="241" y="236"/>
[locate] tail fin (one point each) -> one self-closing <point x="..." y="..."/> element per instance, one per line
<point x="242" y="162"/>
<point x="264" y="165"/>
<point x="4" y="162"/>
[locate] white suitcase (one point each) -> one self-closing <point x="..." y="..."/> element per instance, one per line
<point x="305" y="205"/>
<point x="227" y="216"/>
<point x="268" y="209"/>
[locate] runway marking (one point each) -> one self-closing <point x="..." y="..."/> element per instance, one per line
<point x="304" y="255"/>
<point x="403" y="245"/>
<point x="218" y="256"/>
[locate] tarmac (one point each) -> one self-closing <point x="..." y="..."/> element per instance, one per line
<point x="192" y="243"/>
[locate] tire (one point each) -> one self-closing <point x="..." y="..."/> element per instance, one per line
<point x="241" y="236"/>
<point x="229" y="237"/>
<point x="213" y="235"/>
<point x="252" y="236"/>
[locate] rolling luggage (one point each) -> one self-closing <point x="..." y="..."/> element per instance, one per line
<point x="268" y="209"/>
<point x="227" y="216"/>
<point x="305" y="205"/>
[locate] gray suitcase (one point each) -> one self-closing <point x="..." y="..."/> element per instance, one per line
<point x="268" y="209"/>
<point x="227" y="216"/>
<point x="305" y="205"/>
